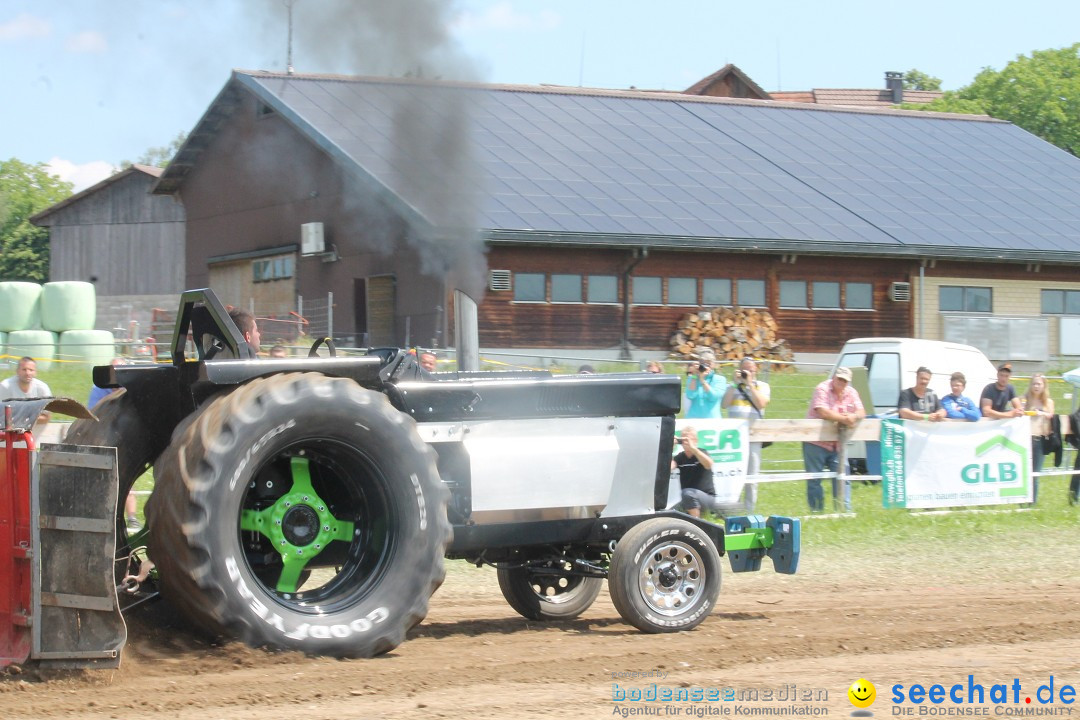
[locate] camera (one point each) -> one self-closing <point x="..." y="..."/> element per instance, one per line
<point x="741" y="374"/>
<point x="702" y="367"/>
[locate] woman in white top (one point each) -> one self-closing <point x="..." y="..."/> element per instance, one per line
<point x="1040" y="406"/>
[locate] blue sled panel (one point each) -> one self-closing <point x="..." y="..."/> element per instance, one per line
<point x="787" y="542"/>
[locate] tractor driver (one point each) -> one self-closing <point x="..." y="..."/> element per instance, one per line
<point x="245" y="322"/>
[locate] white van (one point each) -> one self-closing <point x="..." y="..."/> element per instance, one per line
<point x="890" y="365"/>
<point x="882" y="367"/>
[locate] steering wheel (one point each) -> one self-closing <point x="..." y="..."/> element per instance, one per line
<point x="329" y="342"/>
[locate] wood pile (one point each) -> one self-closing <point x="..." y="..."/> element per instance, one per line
<point x="731" y="333"/>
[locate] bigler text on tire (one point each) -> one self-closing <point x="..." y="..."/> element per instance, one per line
<point x="664" y="576"/>
<point x="302" y="512"/>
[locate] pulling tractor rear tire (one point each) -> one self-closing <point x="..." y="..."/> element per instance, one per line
<point x="300" y="512"/>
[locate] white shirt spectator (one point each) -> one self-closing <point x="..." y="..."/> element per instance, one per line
<point x="10" y="390"/>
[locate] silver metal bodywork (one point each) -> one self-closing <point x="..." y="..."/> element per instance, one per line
<point x="547" y="469"/>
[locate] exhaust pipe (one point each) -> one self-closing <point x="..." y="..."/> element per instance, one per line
<point x="466" y="332"/>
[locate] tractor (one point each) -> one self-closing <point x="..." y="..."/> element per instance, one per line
<point x="309" y="503"/>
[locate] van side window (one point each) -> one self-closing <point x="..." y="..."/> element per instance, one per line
<point x="884" y="380"/>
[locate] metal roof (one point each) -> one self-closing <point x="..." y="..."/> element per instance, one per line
<point x="560" y="165"/>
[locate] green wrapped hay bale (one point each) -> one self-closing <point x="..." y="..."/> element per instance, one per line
<point x="19" y="306"/>
<point x="68" y="305"/>
<point x="38" y="344"/>
<point x="96" y="347"/>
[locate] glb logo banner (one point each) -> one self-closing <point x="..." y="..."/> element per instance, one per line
<point x="929" y="465"/>
<point x="727" y="443"/>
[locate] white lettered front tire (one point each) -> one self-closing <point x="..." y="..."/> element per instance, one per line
<point x="664" y="576"/>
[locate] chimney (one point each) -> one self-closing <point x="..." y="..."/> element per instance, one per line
<point x="894" y="83"/>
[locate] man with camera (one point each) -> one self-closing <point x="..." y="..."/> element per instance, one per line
<point x="695" y="474"/>
<point x="704" y="387"/>
<point x="746" y="399"/>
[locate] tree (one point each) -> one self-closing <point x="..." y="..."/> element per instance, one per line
<point x="158" y="156"/>
<point x="24" y="191"/>
<point x="1040" y="93"/>
<point x="918" y="80"/>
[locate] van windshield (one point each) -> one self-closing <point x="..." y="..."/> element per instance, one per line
<point x="883" y="377"/>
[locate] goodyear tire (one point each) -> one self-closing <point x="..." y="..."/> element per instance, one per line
<point x="294" y="475"/>
<point x="539" y="595"/>
<point x="137" y="446"/>
<point x="664" y="576"/>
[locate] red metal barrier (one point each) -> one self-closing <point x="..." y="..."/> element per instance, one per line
<point x="16" y="454"/>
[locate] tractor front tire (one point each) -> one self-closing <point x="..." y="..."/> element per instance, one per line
<point x="664" y="576"/>
<point x="300" y="512"/>
<point x="539" y="595"/>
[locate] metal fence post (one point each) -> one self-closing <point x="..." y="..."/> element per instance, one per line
<point x="330" y="314"/>
<point x="842" y="434"/>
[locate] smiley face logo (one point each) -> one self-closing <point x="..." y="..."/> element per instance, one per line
<point x="862" y="693"/>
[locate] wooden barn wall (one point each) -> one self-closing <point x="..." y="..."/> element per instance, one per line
<point x="125" y="240"/>
<point x="505" y="323"/>
<point x="259" y="180"/>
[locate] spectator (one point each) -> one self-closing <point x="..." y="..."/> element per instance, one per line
<point x="695" y="474"/>
<point x="998" y="399"/>
<point x="586" y="370"/>
<point x="654" y="367"/>
<point x="747" y="398"/>
<point x="1040" y="406"/>
<point x="245" y="323"/>
<point x="704" y="388"/>
<point x="920" y="402"/>
<point x="957" y="405"/>
<point x="428" y="360"/>
<point x="24" y="384"/>
<point x="834" y="400"/>
<point x="278" y="351"/>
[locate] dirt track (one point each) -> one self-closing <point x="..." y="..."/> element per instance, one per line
<point x="928" y="620"/>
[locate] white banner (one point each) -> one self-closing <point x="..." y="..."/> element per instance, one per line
<point x="726" y="441"/>
<point x="929" y="465"/>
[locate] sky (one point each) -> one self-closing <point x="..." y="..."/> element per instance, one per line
<point x="91" y="83"/>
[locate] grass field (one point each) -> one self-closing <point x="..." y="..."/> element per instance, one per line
<point x="873" y="525"/>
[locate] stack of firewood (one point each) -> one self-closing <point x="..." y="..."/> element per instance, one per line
<point x="731" y="333"/>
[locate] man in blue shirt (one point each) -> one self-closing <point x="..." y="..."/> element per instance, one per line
<point x="958" y="407"/>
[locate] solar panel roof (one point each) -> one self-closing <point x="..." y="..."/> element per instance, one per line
<point x="604" y="166"/>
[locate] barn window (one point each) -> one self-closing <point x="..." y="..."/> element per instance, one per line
<point x="793" y="293"/>
<point x="682" y="291"/>
<point x="566" y="288"/>
<point x="1061" y="302"/>
<point x="751" y="293"/>
<point x="529" y="287"/>
<point x="826" y="296"/>
<point x="716" y="291"/>
<point x="272" y="269"/>
<point x="647" y="291"/>
<point x="603" y="289"/>
<point x="965" y="299"/>
<point x="859" y="296"/>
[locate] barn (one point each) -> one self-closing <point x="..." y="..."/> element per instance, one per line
<point x="595" y="219"/>
<point x="126" y="241"/>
